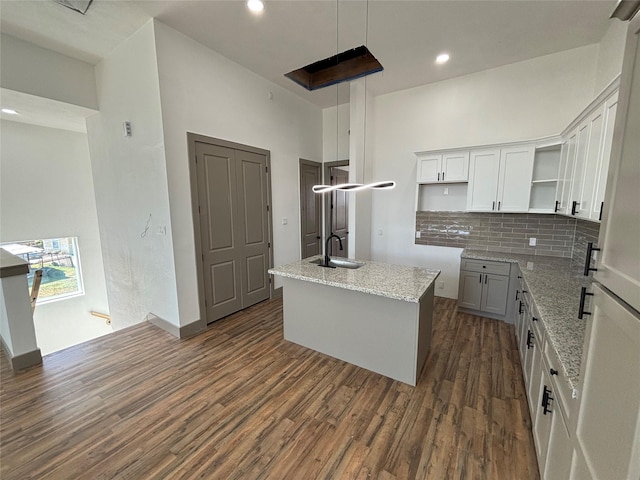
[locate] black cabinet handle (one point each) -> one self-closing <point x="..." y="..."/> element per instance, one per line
<point x="555" y="209"/>
<point x="499" y="205"/>
<point x="546" y="398"/>
<point x="519" y="277"/>
<point x="485" y="279"/>
<point x="493" y="205"/>
<point x="553" y="371"/>
<point x="480" y="278"/>
<point x="517" y="295"/>
<point x="524" y="291"/>
<point x="529" y="338"/>
<point x="601" y="207"/>
<point x="520" y="307"/>
<point x="438" y="176"/>
<point x="587" y="261"/>
<point x="534" y="319"/>
<point x="443" y="176"/>
<point x="583" y="296"/>
<point x="574" y="207"/>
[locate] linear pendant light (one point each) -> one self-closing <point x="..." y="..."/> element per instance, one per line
<point x="354" y="187"/>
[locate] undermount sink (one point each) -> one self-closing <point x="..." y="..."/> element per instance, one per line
<point x="338" y="262"/>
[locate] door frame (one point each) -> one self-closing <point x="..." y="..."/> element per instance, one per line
<point x="192" y="139"/>
<point x="311" y="163"/>
<point x="326" y="178"/>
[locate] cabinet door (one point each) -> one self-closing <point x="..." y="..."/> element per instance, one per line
<point x="577" y="177"/>
<point x="592" y="160"/>
<point x="610" y="108"/>
<point x="560" y="449"/>
<point x="514" y="186"/>
<point x="544" y="418"/>
<point x="429" y="168"/>
<point x="484" y="168"/>
<point x="495" y="289"/>
<point x="608" y="422"/>
<point x="568" y="175"/>
<point x="562" y="179"/>
<point x="470" y="291"/>
<point x="535" y="370"/>
<point x="455" y="167"/>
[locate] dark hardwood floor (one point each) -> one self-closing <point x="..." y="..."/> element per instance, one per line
<point x="238" y="402"/>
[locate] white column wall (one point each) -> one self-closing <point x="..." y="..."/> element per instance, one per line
<point x="130" y="180"/>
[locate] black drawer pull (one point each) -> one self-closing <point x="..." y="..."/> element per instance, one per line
<point x="555" y="209"/>
<point x="438" y="176"/>
<point x="546" y="398"/>
<point x="601" y="207"/>
<point x="587" y="261"/>
<point x="574" y="207"/>
<point x="529" y="338"/>
<point x="520" y="307"/>
<point x="443" y="176"/>
<point x="583" y="296"/>
<point x="534" y="319"/>
<point x="553" y="371"/>
<point x="517" y="295"/>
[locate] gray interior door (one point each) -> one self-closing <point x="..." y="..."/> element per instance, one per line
<point x="310" y="208"/>
<point x="232" y="199"/>
<point x="339" y="212"/>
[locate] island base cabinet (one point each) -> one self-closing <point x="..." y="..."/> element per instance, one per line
<point x="608" y="421"/>
<point x="387" y="336"/>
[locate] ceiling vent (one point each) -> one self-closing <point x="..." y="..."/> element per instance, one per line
<point x="345" y="66"/>
<point x="80" y="6"/>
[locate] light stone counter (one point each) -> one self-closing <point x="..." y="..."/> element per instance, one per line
<point x="393" y="281"/>
<point x="554" y="286"/>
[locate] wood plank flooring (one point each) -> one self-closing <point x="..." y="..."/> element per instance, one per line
<point x="238" y="402"/>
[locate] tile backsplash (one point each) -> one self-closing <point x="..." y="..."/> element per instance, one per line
<point x="555" y="235"/>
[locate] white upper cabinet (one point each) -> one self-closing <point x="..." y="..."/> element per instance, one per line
<point x="588" y="148"/>
<point x="516" y="171"/>
<point x="609" y="117"/>
<point x="446" y="167"/>
<point x="500" y="179"/>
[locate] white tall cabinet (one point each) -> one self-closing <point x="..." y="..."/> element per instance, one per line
<point x="607" y="432"/>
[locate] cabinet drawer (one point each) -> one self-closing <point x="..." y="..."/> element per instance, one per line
<point x="560" y="383"/>
<point x="486" y="266"/>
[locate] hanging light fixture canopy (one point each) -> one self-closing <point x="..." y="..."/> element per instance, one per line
<point x="355" y="63"/>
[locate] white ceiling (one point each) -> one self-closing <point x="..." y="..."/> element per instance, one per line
<point x="405" y="36"/>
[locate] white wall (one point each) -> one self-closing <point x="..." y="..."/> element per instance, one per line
<point x="330" y="130"/>
<point x="131" y="187"/>
<point x="35" y="70"/>
<point x="610" y="53"/>
<point x="203" y="92"/>
<point x="521" y="101"/>
<point x="47" y="192"/>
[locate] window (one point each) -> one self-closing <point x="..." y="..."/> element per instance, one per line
<point x="59" y="261"/>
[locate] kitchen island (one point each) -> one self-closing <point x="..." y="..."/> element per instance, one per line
<point x="377" y="316"/>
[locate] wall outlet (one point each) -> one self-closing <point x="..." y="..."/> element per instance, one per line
<point x="446" y="190"/>
<point x="285" y="220"/>
<point x="418" y="234"/>
<point x="441" y="285"/>
<point x="532" y="242"/>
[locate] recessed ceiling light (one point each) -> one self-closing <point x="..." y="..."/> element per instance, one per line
<point x="255" y="5"/>
<point x="10" y="111"/>
<point x="442" y="58"/>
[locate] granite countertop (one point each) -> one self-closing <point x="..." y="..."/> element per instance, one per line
<point x="393" y="281"/>
<point x="554" y="287"/>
